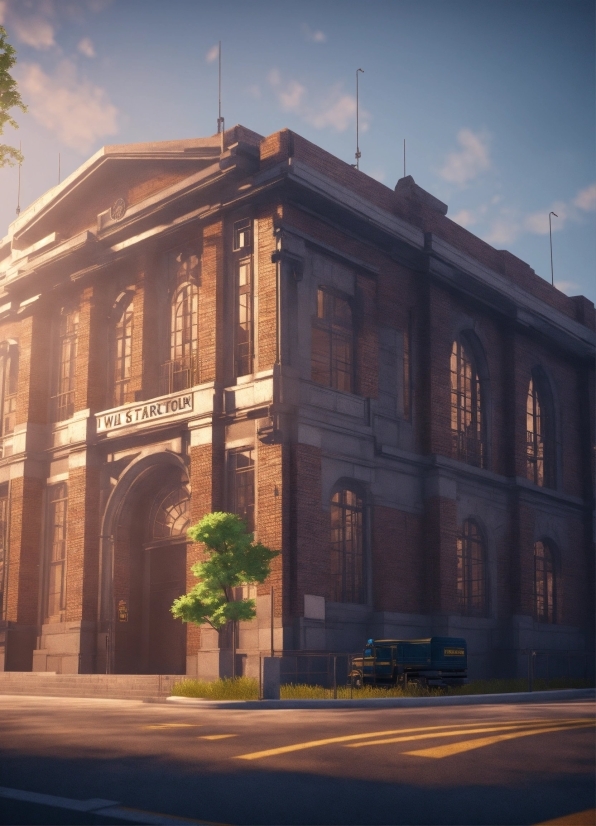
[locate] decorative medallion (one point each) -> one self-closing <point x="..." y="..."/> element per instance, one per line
<point x="118" y="209"/>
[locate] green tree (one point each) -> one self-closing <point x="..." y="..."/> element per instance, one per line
<point x="9" y="98"/>
<point x="233" y="559"/>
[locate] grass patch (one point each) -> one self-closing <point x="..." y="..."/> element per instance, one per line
<point x="247" y="688"/>
<point x="242" y="688"/>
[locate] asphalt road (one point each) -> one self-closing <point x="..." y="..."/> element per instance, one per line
<point x="499" y="764"/>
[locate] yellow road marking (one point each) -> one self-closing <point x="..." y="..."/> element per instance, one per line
<point x="469" y="745"/>
<point x="585" y="818"/>
<point x="175" y="725"/>
<point x="216" y="736"/>
<point x="434" y="734"/>
<point x="311" y="744"/>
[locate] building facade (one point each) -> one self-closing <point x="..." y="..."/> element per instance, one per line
<point x="250" y="324"/>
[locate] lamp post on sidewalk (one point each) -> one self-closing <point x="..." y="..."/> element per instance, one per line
<point x="550" y="233"/>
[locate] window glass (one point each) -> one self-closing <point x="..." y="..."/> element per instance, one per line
<point x="57" y="523"/>
<point x="122" y="354"/>
<point x="467" y="427"/>
<point x="63" y="396"/>
<point x="544" y="583"/>
<point x="347" y="557"/>
<point x="241" y="482"/>
<point x="471" y="570"/>
<point x="332" y="349"/>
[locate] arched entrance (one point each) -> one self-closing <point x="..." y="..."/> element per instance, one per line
<point x="148" y="563"/>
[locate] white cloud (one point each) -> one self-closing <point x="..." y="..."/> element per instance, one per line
<point x="77" y="111"/>
<point x="537" y="222"/>
<point x="212" y="54"/>
<point x="316" y="36"/>
<point x="31" y="29"/>
<point x="86" y="47"/>
<point x="503" y="230"/>
<point x="586" y="198"/>
<point x="470" y="161"/>
<point x="254" y="91"/>
<point x="465" y="218"/>
<point x="568" y="287"/>
<point x="36" y="22"/>
<point x="335" y="109"/>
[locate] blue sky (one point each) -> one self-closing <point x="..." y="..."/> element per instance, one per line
<point x="495" y="99"/>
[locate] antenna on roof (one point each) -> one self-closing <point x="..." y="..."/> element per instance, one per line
<point x="19" y="189"/>
<point x="58" y="167"/>
<point x="358" y="152"/>
<point x="220" y="120"/>
<point x="404" y="157"/>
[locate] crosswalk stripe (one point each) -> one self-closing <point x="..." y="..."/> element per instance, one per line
<point x="469" y="745"/>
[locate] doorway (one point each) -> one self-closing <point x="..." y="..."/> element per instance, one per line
<point x="149" y="573"/>
<point x="165" y="637"/>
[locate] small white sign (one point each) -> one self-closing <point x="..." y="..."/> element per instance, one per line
<point x="314" y="607"/>
<point x="137" y="414"/>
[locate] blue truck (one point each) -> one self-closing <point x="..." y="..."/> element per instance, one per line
<point x="434" y="662"/>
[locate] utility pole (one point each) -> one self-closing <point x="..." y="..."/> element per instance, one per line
<point x="358" y="153"/>
<point x="550" y="233"/>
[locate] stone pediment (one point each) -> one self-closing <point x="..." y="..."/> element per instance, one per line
<point x="111" y="181"/>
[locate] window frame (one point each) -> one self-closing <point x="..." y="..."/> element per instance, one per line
<point x="121" y="350"/>
<point x="540" y="434"/>
<point x="471" y="556"/>
<point x="545" y="608"/>
<point x="65" y="363"/>
<point x="348" y="566"/>
<point x="54" y="522"/>
<point x="467" y="406"/>
<point x="327" y="323"/>
<point x="234" y="475"/>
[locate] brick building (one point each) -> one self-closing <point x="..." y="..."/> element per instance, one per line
<point x="250" y="324"/>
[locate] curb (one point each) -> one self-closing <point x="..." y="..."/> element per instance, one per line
<point x="393" y="702"/>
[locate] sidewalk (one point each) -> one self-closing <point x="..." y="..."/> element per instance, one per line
<point x="396" y="702"/>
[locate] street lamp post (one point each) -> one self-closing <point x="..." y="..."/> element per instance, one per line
<point x="550" y="233"/>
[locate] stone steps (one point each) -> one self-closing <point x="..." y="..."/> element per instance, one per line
<point x="115" y="686"/>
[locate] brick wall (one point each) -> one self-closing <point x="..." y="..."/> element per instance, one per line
<point x="82" y="562"/>
<point x="272" y="519"/>
<point x="25" y="550"/>
<point x="212" y="331"/>
<point x="440" y="556"/>
<point x="397" y="564"/>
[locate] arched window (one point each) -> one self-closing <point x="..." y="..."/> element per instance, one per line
<point x="63" y="395"/>
<point x="347" y="555"/>
<point x="545" y="592"/>
<point x="471" y="570"/>
<point x="171" y="514"/>
<point x="180" y="371"/>
<point x="9" y="370"/>
<point x="467" y="425"/>
<point x="539" y="435"/>
<point x="122" y="351"/>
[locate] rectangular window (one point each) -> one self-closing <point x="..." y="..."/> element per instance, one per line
<point x="241" y="484"/>
<point x="244" y="317"/>
<point x="242" y="235"/>
<point x="3" y="546"/>
<point x="63" y="396"/>
<point x="332" y="354"/>
<point x="56" y="550"/>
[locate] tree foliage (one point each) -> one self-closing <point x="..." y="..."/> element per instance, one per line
<point x="9" y="98"/>
<point x="233" y="559"/>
